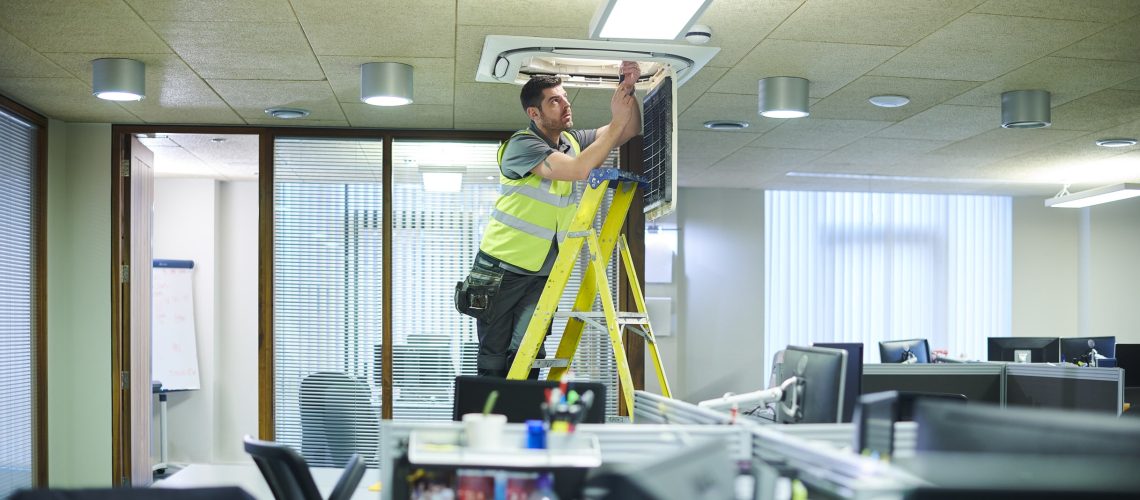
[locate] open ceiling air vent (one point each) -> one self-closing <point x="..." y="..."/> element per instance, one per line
<point x="584" y="63"/>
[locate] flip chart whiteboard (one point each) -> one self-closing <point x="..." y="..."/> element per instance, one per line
<point x="174" y="346"/>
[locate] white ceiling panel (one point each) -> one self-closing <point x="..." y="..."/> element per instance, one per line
<point x="828" y="66"/>
<point x="1104" y="11"/>
<point x="1106" y="108"/>
<point x="878" y="152"/>
<point x="66" y="97"/>
<point x="818" y="133"/>
<point x="250" y="99"/>
<point x="870" y="22"/>
<point x="490" y="103"/>
<point x="721" y="107"/>
<point x="242" y="50"/>
<point x="981" y="47"/>
<point x="469" y="43"/>
<point x="1004" y="143"/>
<point x="698" y="149"/>
<point x="767" y="159"/>
<point x="274" y="11"/>
<point x="379" y="28"/>
<point x="1065" y="78"/>
<point x="413" y="116"/>
<point x="1118" y="42"/>
<point x="738" y="26"/>
<point x="21" y="61"/>
<point x="527" y="13"/>
<point x="851" y="102"/>
<point x="945" y="123"/>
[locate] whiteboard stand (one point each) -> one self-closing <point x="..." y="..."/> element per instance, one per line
<point x="160" y="467"/>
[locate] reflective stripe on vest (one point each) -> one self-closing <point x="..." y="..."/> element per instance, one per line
<point x="528" y="214"/>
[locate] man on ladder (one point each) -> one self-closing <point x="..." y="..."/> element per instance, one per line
<point x="538" y="167"/>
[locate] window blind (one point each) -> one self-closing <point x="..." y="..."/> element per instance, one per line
<point x="867" y="267"/>
<point x="17" y="286"/>
<point x="327" y="253"/>
<point x="435" y="237"/>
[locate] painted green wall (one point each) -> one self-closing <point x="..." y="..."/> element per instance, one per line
<point x="79" y="304"/>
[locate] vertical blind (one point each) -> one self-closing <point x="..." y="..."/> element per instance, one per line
<point x="17" y="286"/>
<point x="867" y="267"/>
<point x="327" y="230"/>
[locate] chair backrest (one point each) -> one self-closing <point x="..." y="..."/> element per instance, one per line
<point x="337" y="419"/>
<point x="284" y="470"/>
<point x="212" y="493"/>
<point x="519" y="400"/>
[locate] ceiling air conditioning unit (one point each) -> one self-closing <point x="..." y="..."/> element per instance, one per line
<point x="584" y="63"/>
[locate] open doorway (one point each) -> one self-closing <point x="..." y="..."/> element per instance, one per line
<point x="202" y="232"/>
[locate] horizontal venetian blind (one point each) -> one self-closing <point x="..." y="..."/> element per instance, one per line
<point x="17" y="286"/>
<point x="327" y="255"/>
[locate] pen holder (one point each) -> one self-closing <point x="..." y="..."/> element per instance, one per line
<point x="484" y="432"/>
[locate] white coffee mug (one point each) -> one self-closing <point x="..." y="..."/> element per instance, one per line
<point x="484" y="432"/>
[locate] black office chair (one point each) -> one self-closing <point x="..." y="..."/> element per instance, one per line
<point x="288" y="475"/>
<point x="215" y="493"/>
<point x="337" y="419"/>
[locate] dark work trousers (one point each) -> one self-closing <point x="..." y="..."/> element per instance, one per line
<point x="501" y="328"/>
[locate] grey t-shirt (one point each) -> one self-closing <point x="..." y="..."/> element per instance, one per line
<point x="523" y="153"/>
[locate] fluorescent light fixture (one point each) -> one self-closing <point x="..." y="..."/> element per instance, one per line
<point x="646" y="19"/>
<point x="386" y="84"/>
<point x="783" y="97"/>
<point x="118" y="79"/>
<point x="908" y="178"/>
<point x="442" y="179"/>
<point x="1094" y="196"/>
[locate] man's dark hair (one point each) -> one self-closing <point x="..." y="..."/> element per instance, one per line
<point x="532" y="92"/>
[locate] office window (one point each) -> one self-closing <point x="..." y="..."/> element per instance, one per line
<point x="443" y="194"/>
<point x="327" y="256"/>
<point x="17" y="315"/>
<point x="866" y="267"/>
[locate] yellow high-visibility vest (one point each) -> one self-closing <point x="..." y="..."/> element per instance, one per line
<point x="528" y="215"/>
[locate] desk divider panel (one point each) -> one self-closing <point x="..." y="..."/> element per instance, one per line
<point x="1061" y="386"/>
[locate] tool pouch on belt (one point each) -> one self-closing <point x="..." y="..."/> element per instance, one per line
<point x="475" y="294"/>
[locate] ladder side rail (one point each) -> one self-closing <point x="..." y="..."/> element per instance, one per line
<point x="639" y="301"/>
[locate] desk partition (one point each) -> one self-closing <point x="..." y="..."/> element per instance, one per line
<point x="979" y="382"/>
<point x="1064" y="386"/>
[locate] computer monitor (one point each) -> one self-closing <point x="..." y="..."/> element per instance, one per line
<point x="1024" y="349"/>
<point x="877" y="413"/>
<point x="1076" y="350"/>
<point x="947" y="427"/>
<point x="853" y="382"/>
<point x="1128" y="358"/>
<point x="817" y="395"/>
<point x="520" y="400"/>
<point x="904" y="351"/>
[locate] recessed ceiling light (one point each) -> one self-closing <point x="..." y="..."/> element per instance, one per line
<point x="1116" y="142"/>
<point x="725" y="125"/>
<point x="287" y="113"/>
<point x="889" y="101"/>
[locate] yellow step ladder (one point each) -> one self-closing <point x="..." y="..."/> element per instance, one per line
<point x="600" y="248"/>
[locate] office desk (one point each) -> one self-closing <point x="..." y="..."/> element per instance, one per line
<point x="248" y="478"/>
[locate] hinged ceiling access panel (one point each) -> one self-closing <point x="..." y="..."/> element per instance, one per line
<point x="584" y="63"/>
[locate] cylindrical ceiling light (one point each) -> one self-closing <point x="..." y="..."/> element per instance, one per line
<point x="118" y="79"/>
<point x="1025" y="109"/>
<point x="783" y="97"/>
<point x="386" y="84"/>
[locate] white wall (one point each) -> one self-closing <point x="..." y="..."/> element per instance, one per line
<point x="184" y="213"/>
<point x="79" y="304"/>
<point x="1045" y="262"/>
<point x="721" y="287"/>
<point x="1114" y="270"/>
<point x="236" y="345"/>
<point x="215" y="225"/>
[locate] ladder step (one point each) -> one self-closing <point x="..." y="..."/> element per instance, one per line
<point x="551" y="363"/>
<point x="623" y="318"/>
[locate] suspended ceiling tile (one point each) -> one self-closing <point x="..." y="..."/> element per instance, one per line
<point x="871" y="22"/>
<point x="696" y="86"/>
<point x="491" y="103"/>
<point x="981" y="47"/>
<point x="412" y="116"/>
<point x="213" y="10"/>
<point x="737" y="27"/>
<point x="879" y="151"/>
<point x="1118" y="42"/>
<point x="584" y="118"/>
<point x="504" y="127"/>
<point x="96" y="26"/>
<point x="469" y="41"/>
<point x="20" y="61"/>
<point x="945" y="123"/>
<point x="1097" y="111"/>
<point x="739" y="107"/>
<point x="1004" y="143"/>
<point x="738" y="179"/>
<point x="386" y="28"/>
<point x="818" y="133"/>
<point x="701" y="148"/>
<point x="767" y="159"/>
<point x="828" y="66"/>
<point x="850" y="102"/>
<point x="1105" y="11"/>
<point x="174" y="93"/>
<point x="431" y="77"/>
<point x="526" y="13"/>
<point x="251" y="98"/>
<point x="591" y="98"/>
<point x="296" y="122"/>
<point x="66" y="99"/>
<point x="1065" y="78"/>
<point x="242" y="50"/>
